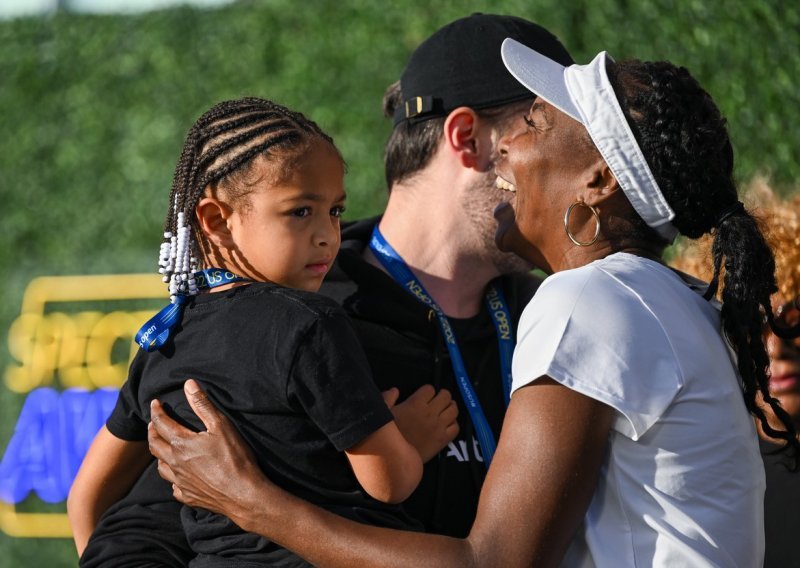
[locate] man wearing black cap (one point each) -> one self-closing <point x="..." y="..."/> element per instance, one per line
<point x="452" y="103"/>
<point x="436" y="239"/>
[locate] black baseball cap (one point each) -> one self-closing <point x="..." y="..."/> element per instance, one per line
<point x="460" y="65"/>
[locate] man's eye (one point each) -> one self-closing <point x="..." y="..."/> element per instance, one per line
<point x="337" y="211"/>
<point x="528" y="121"/>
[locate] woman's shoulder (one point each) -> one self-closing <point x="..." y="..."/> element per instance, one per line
<point x="610" y="275"/>
<point x="568" y="285"/>
<point x="620" y="289"/>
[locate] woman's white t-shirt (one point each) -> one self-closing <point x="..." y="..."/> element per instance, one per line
<point x="683" y="483"/>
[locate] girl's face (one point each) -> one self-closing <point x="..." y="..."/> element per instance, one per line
<point x="288" y="232"/>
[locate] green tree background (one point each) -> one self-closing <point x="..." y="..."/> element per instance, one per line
<point x="93" y="111"/>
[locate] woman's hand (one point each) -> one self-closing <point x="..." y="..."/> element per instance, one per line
<point x="214" y="469"/>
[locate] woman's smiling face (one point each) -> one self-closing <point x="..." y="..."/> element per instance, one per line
<point x="546" y="160"/>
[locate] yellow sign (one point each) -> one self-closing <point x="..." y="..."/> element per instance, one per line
<point x="73" y="332"/>
<point x="58" y="339"/>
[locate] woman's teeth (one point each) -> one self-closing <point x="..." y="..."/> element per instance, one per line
<point x="505" y="185"/>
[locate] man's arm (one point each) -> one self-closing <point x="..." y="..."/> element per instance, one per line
<point x="536" y="492"/>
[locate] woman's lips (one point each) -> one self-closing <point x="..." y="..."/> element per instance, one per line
<point x="504" y="184"/>
<point x="779" y="384"/>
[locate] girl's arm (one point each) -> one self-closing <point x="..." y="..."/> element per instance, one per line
<point x="388" y="463"/>
<point x="108" y="471"/>
<point x="534" y="498"/>
<point x="427" y="419"/>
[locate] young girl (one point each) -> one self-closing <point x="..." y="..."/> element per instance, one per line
<point x="256" y="201"/>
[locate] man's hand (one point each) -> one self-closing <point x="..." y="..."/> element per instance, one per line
<point x="427" y="419"/>
<point x="214" y="469"/>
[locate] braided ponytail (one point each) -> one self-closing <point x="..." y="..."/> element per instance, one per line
<point x="685" y="142"/>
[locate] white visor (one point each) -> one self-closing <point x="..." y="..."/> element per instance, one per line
<point x="585" y="93"/>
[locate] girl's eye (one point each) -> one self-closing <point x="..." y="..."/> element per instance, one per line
<point x="337" y="211"/>
<point x="302" y="212"/>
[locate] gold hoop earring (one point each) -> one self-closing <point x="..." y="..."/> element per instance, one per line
<point x="596" y="219"/>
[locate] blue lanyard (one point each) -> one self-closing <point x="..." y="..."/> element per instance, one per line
<point x="156" y="331"/>
<point x="496" y="303"/>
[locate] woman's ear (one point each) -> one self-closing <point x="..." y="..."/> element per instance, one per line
<point x="601" y="185"/>
<point x="212" y="217"/>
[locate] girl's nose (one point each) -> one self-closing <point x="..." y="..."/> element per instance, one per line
<point x="327" y="234"/>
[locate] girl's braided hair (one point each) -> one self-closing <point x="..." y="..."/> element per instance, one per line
<point x="685" y="141"/>
<point x="223" y="143"/>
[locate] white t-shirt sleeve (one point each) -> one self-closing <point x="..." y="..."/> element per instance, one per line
<point x="592" y="334"/>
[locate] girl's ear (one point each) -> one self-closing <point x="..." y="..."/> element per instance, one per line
<point x="212" y="217"/>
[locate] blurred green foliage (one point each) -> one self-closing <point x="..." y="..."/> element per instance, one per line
<point x="93" y="111"/>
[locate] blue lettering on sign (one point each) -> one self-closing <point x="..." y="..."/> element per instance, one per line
<point x="51" y="438"/>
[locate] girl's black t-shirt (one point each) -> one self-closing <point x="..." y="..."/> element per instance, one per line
<point x="288" y="370"/>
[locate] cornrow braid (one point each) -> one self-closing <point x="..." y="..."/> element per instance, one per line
<point x="222" y="142"/>
<point x="684" y="139"/>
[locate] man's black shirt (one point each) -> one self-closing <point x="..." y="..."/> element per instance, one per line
<point x="405" y="349"/>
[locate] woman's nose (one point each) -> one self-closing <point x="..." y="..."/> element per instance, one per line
<point x="778" y="348"/>
<point x="502" y="145"/>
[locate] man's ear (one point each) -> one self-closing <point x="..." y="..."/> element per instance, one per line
<point x="466" y="137"/>
<point x="212" y="217"/>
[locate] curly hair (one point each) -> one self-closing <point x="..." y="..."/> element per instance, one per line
<point x="780" y="222"/>
<point x="684" y="139"/>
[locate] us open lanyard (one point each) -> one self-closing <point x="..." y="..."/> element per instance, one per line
<point x="399" y="271"/>
<point x="155" y="332"/>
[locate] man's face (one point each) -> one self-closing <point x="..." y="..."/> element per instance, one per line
<point x="480" y="202"/>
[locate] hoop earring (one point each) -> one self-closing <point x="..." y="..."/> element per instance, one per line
<point x="596" y="229"/>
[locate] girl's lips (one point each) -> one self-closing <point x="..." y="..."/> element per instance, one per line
<point x="318" y="268"/>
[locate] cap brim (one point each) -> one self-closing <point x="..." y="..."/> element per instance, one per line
<point x="539" y="74"/>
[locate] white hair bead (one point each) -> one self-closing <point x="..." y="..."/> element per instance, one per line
<point x="175" y="260"/>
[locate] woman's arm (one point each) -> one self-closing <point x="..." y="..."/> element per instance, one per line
<point x="108" y="471"/>
<point x="536" y="493"/>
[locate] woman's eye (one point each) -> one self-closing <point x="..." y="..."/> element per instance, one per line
<point x="337" y="211"/>
<point x="302" y="212"/>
